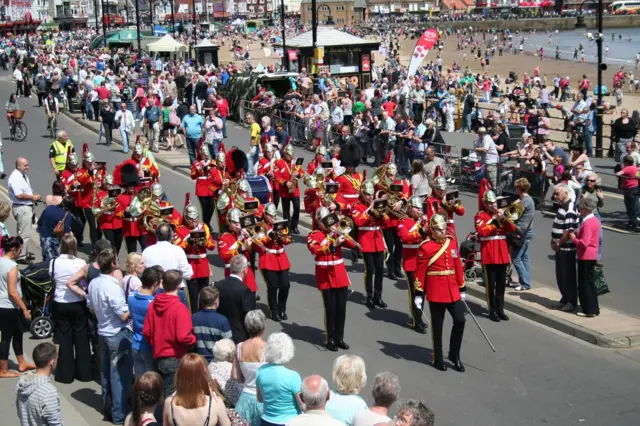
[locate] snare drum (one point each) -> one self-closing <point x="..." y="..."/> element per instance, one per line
<point x="260" y="188"/>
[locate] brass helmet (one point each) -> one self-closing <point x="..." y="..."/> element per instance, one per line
<point x="288" y="150"/>
<point x="368" y="188"/>
<point x="321" y="150"/>
<point x="88" y="157"/>
<point x="234" y="215"/>
<point x="204" y="152"/>
<point x="72" y="160"/>
<point x="440" y="183"/>
<point x="156" y="189"/>
<point x="319" y="173"/>
<point x="270" y="209"/>
<point x="321" y="213"/>
<point x="269" y="148"/>
<point x="137" y="149"/>
<point x="107" y="179"/>
<point x="311" y="181"/>
<point x="391" y="171"/>
<point x="489" y="197"/>
<point x="438" y="222"/>
<point x="221" y="157"/>
<point x="190" y="211"/>
<point x="415" y="201"/>
<point x="243" y="186"/>
<point x="276" y="155"/>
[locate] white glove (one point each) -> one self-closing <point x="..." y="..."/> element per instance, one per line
<point x="463" y="295"/>
<point x="418" y="301"/>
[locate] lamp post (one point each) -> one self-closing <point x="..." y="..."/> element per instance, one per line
<point x="193" y="21"/>
<point x="314" y="41"/>
<point x="95" y="11"/>
<point x="138" y="28"/>
<point x="285" y="59"/>
<point x="151" y="14"/>
<point x="104" y="23"/>
<point x="173" y="20"/>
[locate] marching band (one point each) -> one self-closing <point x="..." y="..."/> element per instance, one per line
<point x="377" y="219"/>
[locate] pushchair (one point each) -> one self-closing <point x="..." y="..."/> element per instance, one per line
<point x="472" y="260"/>
<point x="37" y="292"/>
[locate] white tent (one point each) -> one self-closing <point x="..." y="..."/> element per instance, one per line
<point x="166" y="44"/>
<point x="205" y="43"/>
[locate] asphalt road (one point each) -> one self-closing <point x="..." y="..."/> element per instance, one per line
<point x="537" y="376"/>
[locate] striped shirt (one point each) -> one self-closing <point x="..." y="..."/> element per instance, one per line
<point x="209" y="327"/>
<point x="566" y="219"/>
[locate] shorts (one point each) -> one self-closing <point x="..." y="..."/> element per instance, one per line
<point x="168" y="126"/>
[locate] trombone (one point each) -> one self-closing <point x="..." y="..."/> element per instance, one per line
<point x="344" y="229"/>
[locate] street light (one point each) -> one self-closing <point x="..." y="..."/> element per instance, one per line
<point x="599" y="38"/>
<point x="193" y="20"/>
<point x="285" y="59"/>
<point x="104" y="24"/>
<point x="138" y="29"/>
<point x="173" y="19"/>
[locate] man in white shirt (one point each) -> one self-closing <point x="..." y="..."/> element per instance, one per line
<point x="125" y="122"/>
<point x="22" y="197"/>
<point x="385" y="392"/>
<point x="314" y="394"/>
<point x="489" y="157"/>
<point x="17" y="76"/>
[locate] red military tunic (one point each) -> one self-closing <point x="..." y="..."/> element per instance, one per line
<point x="83" y="197"/>
<point x="131" y="226"/>
<point x="348" y="190"/>
<point x="175" y="219"/>
<point x="264" y="168"/>
<point x="107" y="220"/>
<point x="196" y="255"/>
<point x="493" y="240"/>
<point x="202" y="173"/>
<point x="393" y="221"/>
<point x="312" y="166"/>
<point x="330" y="269"/>
<point x="444" y="278"/>
<point x="228" y="246"/>
<point x="409" y="233"/>
<point x="282" y="172"/>
<point x="217" y="176"/>
<point x="273" y="257"/>
<point x="150" y="170"/>
<point x="459" y="210"/>
<point x="369" y="229"/>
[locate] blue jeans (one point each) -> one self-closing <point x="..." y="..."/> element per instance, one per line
<point x="466" y="122"/>
<point x="88" y="109"/>
<point x="192" y="147"/>
<point x="142" y="362"/>
<point x="125" y="136"/>
<point x="224" y="126"/>
<point x="588" y="142"/>
<point x="631" y="204"/>
<point x="520" y="260"/>
<point x="214" y="147"/>
<point x="597" y="214"/>
<point x="253" y="158"/>
<point x="116" y="373"/>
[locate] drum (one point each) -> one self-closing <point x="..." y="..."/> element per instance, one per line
<point x="260" y="188"/>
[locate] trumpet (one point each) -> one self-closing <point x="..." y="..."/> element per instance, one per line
<point x="344" y="229"/>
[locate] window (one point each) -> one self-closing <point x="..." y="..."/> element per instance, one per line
<point x="340" y="21"/>
<point x="308" y="9"/>
<point x="339" y="8"/>
<point x="260" y="9"/>
<point x="323" y="8"/>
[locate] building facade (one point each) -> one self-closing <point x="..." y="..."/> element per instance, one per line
<point x="383" y="7"/>
<point x="329" y="12"/>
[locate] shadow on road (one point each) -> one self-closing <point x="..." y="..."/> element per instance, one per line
<point x="306" y="279"/>
<point x="409" y="352"/>
<point x="88" y="397"/>
<point x="534" y="298"/>
<point x="308" y="334"/>
<point x="390" y="316"/>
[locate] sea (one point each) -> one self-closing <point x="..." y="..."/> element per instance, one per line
<point x="621" y="51"/>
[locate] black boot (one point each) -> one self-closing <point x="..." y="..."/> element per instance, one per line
<point x="440" y="365"/>
<point x="370" y="303"/>
<point x="457" y="363"/>
<point x="331" y="346"/>
<point x="494" y="317"/>
<point x="342" y="345"/>
<point x="354" y="256"/>
<point x="275" y="317"/>
<point x="503" y="317"/>
<point x="379" y="302"/>
<point x="283" y="315"/>
<point x="400" y="275"/>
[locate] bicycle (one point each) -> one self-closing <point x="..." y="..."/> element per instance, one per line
<point x="18" y="128"/>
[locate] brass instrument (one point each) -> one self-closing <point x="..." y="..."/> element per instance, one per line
<point x="253" y="228"/>
<point x="514" y="211"/>
<point x="392" y="199"/>
<point x="198" y="237"/>
<point x="144" y="205"/>
<point x="344" y="229"/>
<point x="451" y="201"/>
<point x="379" y="179"/>
<point x="107" y="205"/>
<point x="294" y="177"/>
<point x="96" y="187"/>
<point x="227" y="194"/>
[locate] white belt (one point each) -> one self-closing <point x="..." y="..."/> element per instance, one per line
<point x="450" y="221"/>
<point x="411" y="246"/>
<point x="350" y="195"/>
<point x="131" y="219"/>
<point x="331" y="263"/>
<point x="369" y="228"/>
<point x="203" y="177"/>
<point x="272" y="251"/>
<point x="495" y="237"/>
<point x="196" y="256"/>
<point x="108" y="213"/>
<point x="228" y="265"/>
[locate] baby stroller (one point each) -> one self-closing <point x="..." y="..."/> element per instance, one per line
<point x="37" y="292"/>
<point x="470" y="256"/>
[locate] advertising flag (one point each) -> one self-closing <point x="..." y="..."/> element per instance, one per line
<point x="427" y="40"/>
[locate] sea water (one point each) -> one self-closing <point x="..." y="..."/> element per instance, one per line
<point x="621" y="51"/>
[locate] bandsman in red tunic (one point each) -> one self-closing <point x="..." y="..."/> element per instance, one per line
<point x="236" y="242"/>
<point x="203" y="171"/>
<point x="274" y="262"/>
<point x="369" y="223"/>
<point x="388" y="180"/>
<point x="172" y="216"/>
<point x="266" y="167"/>
<point x="104" y="209"/>
<point x="439" y="274"/>
<point x="492" y="227"/>
<point x="413" y="230"/>
<point x="220" y="180"/>
<point x="196" y="240"/>
<point x="349" y="183"/>
<point x="146" y="169"/>
<point x="316" y="195"/>
<point x="318" y="159"/>
<point x="132" y="228"/>
<point x="437" y="203"/>
<point x="287" y="173"/>
<point x="325" y="244"/>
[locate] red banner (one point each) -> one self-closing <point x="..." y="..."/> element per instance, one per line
<point x="425" y="43"/>
<point x="366" y="63"/>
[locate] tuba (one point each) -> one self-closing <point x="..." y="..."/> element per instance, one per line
<point x="143" y="205"/>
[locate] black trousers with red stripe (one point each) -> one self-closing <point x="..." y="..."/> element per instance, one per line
<point x="277" y="289"/>
<point x="194" y="286"/>
<point x="373" y="266"/>
<point x="496" y="281"/>
<point x="414" y="311"/>
<point x="457" y="310"/>
<point x="208" y="207"/>
<point x="335" y="312"/>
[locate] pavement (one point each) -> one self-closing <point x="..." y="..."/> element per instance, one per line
<point x="537" y="376"/>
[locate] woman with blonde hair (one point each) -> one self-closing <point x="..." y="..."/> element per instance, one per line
<point x="134" y="265"/>
<point x="197" y="400"/>
<point x="349" y="377"/>
<point x="147" y="393"/>
<point x="5" y="209"/>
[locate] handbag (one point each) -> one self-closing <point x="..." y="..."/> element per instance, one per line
<point x="173" y="119"/>
<point x="601" y="282"/>
<point x="517" y="238"/>
<point x="58" y="231"/>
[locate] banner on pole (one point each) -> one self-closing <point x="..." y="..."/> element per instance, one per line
<point x="427" y="40"/>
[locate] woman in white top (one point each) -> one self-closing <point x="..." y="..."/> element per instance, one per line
<point x="419" y="180"/>
<point x="197" y="400"/>
<point x="246" y="364"/>
<point x="70" y="314"/>
<point x="135" y="267"/>
<point x="349" y="378"/>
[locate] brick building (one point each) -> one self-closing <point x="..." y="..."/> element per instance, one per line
<point x="338" y="12"/>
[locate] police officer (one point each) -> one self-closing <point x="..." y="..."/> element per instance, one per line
<point x="274" y="263"/>
<point x="369" y="223"/>
<point x="325" y="244"/>
<point x="492" y="227"/>
<point x="59" y="151"/>
<point x="413" y="230"/>
<point x="439" y="273"/>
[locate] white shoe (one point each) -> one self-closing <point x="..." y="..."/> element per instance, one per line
<point x="568" y="307"/>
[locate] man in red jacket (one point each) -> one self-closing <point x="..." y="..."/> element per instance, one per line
<point x="168" y="329"/>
